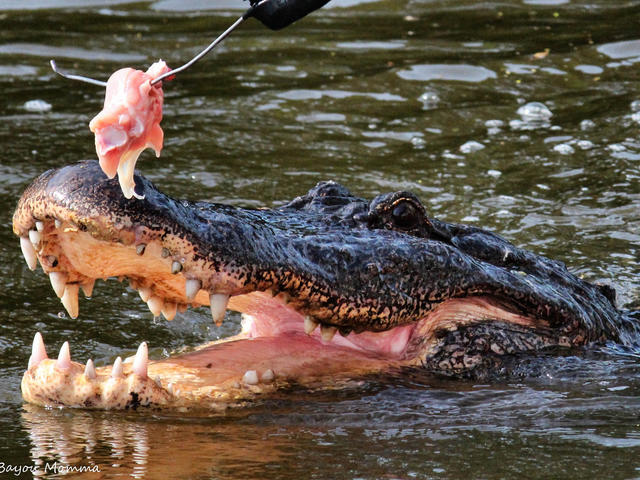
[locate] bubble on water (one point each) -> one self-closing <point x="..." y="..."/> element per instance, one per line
<point x="617" y="147"/>
<point x="534" y="111"/>
<point x="494" y="173"/>
<point x="635" y="106"/>
<point x="494" y="126"/>
<point x="37" y="106"/>
<point x="471" y="146"/>
<point x="418" y="142"/>
<point x="429" y="100"/>
<point x="494" y="123"/>
<point x="563" y="149"/>
<point x="585" y="144"/>
<point x="587" y="124"/>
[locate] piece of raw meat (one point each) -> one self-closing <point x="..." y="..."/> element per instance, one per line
<point x="129" y="122"/>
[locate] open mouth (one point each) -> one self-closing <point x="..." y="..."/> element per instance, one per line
<point x="296" y="330"/>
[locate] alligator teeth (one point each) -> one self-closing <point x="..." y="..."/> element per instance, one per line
<point x="140" y="248"/>
<point x="35" y="237"/>
<point x="327" y="332"/>
<point x="145" y="294"/>
<point x="70" y="299"/>
<point x="116" y="371"/>
<point x="39" y="225"/>
<point x="218" y="303"/>
<point x="309" y="325"/>
<point x="90" y="370"/>
<point x="38" y="352"/>
<point x="247" y="323"/>
<point x="57" y="223"/>
<point x="250" y="377"/>
<point x="176" y="267"/>
<point x="169" y="310"/>
<point x="87" y="287"/>
<point x="141" y="360"/>
<point x="267" y="376"/>
<point x="29" y="253"/>
<point x="192" y="287"/>
<point x="155" y="304"/>
<point x="64" y="357"/>
<point x="58" y="282"/>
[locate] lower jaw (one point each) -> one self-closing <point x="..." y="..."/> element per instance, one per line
<point x="215" y="376"/>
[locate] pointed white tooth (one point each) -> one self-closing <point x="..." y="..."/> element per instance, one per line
<point x="176" y="267"/>
<point x="70" y="299"/>
<point x="327" y="333"/>
<point x="309" y="325"/>
<point x="141" y="360"/>
<point x="155" y="304"/>
<point x="170" y="388"/>
<point x="57" y="223"/>
<point x="248" y="323"/>
<point x="116" y="371"/>
<point x="218" y="303"/>
<point x="140" y="248"/>
<point x="158" y="381"/>
<point x="35" y="237"/>
<point x="145" y="293"/>
<point x="267" y="376"/>
<point x="58" y="282"/>
<point x="169" y="310"/>
<point x="192" y="287"/>
<point x="250" y="377"/>
<point x="64" y="357"/>
<point x="39" y="225"/>
<point x="87" y="287"/>
<point x="29" y="253"/>
<point x="38" y="352"/>
<point x="90" y="370"/>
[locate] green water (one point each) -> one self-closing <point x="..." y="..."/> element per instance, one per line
<point x="430" y="96"/>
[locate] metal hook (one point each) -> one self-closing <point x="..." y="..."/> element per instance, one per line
<point x="211" y="46"/>
<point x="170" y="73"/>
<point x="54" y="67"/>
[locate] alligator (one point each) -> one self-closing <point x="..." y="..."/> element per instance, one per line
<point x="331" y="288"/>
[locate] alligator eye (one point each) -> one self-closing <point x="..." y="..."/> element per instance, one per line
<point x="405" y="214"/>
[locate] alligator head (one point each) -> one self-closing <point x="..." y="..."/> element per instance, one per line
<point x="331" y="286"/>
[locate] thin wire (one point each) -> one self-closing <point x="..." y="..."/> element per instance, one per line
<point x="224" y="35"/>
<point x="170" y="73"/>
<point x="54" y="67"/>
<point x="212" y="45"/>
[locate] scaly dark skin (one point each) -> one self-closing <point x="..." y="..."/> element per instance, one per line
<point x="401" y="289"/>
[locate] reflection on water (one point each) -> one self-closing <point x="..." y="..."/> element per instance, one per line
<point x="521" y="116"/>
